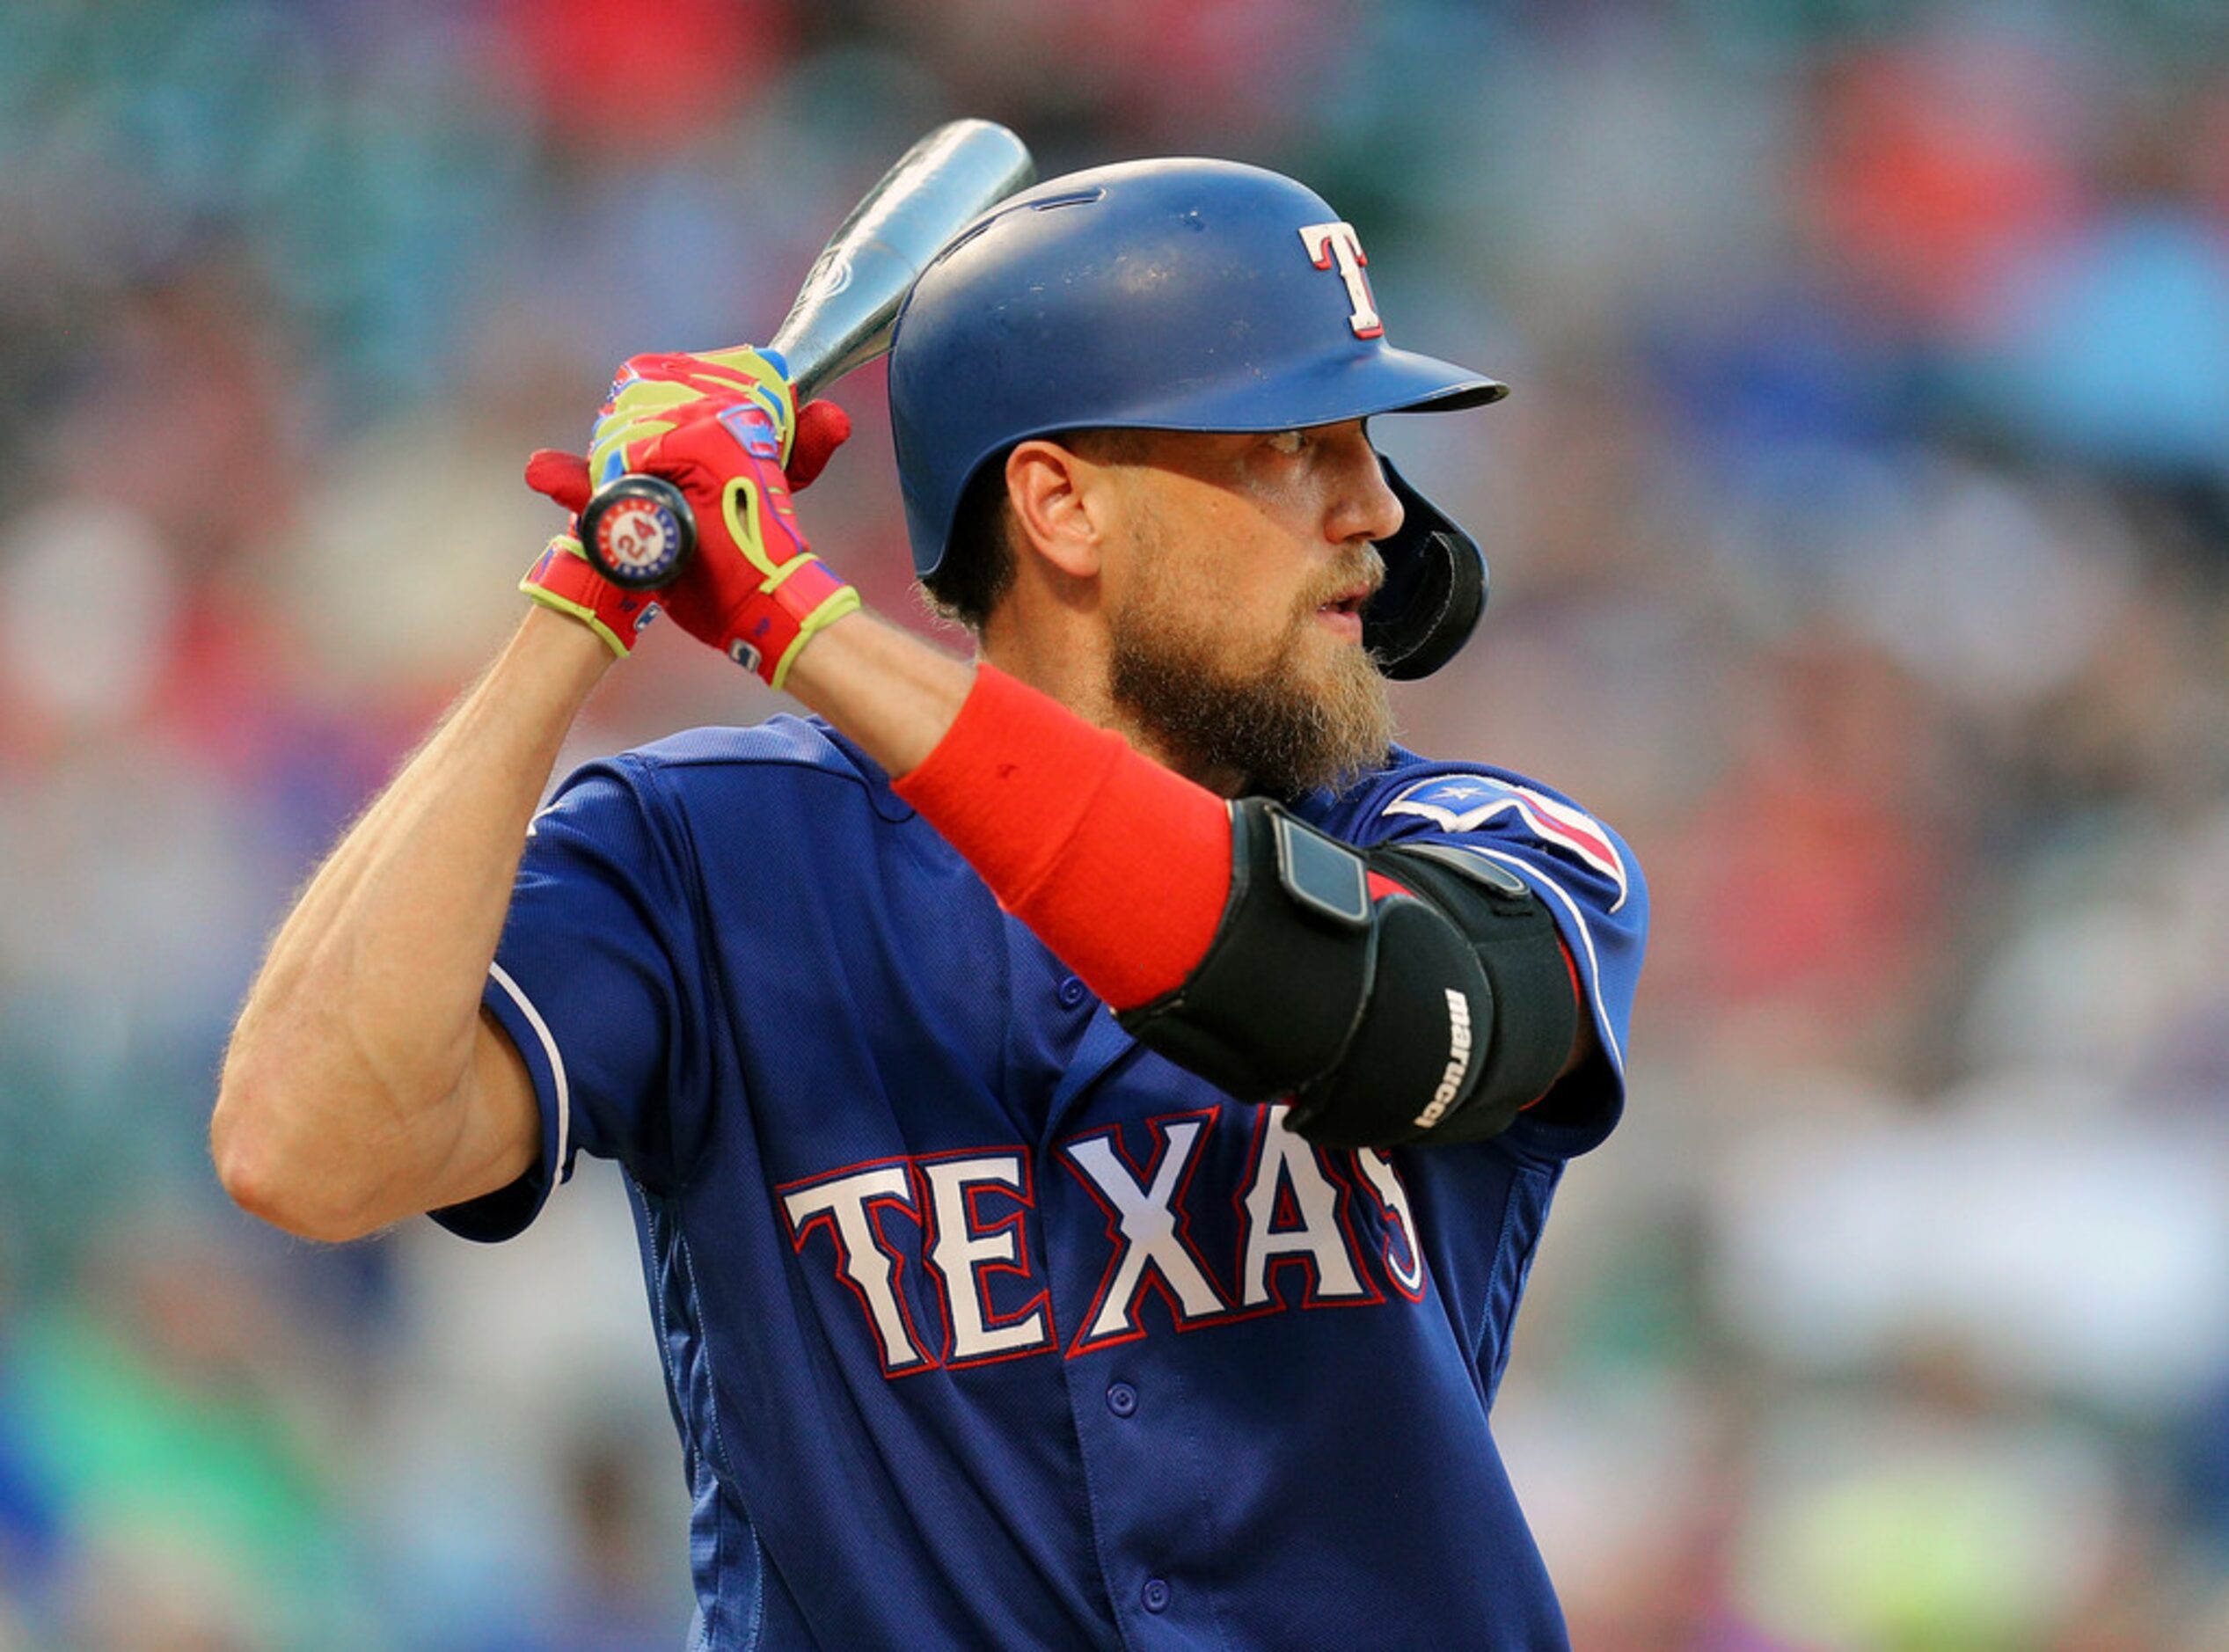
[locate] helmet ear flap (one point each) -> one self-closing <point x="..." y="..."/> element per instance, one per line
<point x="1435" y="588"/>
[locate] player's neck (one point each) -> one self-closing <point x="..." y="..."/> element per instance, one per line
<point x="1071" y="664"/>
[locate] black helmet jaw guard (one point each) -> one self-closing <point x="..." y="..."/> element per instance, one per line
<point x="1434" y="591"/>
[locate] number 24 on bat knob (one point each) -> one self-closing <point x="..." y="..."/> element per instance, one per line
<point x="640" y="531"/>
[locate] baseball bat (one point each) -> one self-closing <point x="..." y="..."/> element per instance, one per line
<point x="638" y="530"/>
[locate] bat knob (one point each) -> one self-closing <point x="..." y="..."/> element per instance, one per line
<point x="638" y="530"/>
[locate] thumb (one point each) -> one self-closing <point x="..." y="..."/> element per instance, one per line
<point x="822" y="428"/>
<point x="563" y="477"/>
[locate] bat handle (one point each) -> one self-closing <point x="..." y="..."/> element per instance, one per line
<point x="639" y="531"/>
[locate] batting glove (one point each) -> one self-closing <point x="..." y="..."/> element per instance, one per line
<point x="724" y="428"/>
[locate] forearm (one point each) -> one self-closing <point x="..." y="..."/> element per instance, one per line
<point x="343" y="1089"/>
<point x="1118" y="864"/>
<point x="895" y="694"/>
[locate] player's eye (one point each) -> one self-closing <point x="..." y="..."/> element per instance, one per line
<point x="1288" y="442"/>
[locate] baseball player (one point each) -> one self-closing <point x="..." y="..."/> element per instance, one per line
<point x="1088" y="1110"/>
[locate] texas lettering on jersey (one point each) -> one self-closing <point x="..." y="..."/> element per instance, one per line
<point x="965" y="1225"/>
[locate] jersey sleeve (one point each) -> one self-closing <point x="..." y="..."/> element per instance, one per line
<point x="1594" y="888"/>
<point x="596" y="982"/>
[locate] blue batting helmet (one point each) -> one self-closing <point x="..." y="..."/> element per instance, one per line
<point x="1172" y="295"/>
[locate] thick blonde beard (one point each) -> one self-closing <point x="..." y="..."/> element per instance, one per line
<point x="1287" y="727"/>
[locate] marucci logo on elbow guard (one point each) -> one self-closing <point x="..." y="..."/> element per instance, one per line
<point x="1458" y="1060"/>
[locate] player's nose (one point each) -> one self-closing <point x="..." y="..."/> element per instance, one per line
<point x="1363" y="507"/>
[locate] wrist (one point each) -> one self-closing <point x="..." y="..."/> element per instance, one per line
<point x="895" y="693"/>
<point x="565" y="648"/>
<point x="821" y="651"/>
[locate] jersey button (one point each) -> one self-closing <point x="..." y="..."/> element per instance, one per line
<point x="1155" y="1594"/>
<point x="1072" y="992"/>
<point x="1121" y="1398"/>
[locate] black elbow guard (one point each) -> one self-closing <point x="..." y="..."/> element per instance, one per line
<point x="1432" y="1013"/>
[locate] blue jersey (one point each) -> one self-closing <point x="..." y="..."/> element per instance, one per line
<point x="985" y="1326"/>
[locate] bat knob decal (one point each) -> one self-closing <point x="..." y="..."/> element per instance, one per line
<point x="639" y="531"/>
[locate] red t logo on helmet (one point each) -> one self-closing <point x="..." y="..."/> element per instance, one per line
<point x="1329" y="242"/>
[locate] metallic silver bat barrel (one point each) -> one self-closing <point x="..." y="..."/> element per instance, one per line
<point x="842" y="314"/>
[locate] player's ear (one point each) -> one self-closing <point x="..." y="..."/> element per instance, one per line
<point x="1061" y="502"/>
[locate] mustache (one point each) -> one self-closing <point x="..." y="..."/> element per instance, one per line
<point x="1365" y="568"/>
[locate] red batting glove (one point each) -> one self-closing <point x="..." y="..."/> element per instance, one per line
<point x="755" y="591"/>
<point x="564" y="579"/>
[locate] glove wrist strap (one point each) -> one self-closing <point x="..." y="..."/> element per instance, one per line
<point x="563" y="579"/>
<point x="801" y="598"/>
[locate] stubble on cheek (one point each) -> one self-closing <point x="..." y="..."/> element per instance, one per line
<point x="1294" y="710"/>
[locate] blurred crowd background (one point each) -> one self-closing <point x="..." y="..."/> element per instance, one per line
<point x="1861" y="535"/>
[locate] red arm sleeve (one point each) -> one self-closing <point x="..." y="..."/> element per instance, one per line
<point x="1117" y="864"/>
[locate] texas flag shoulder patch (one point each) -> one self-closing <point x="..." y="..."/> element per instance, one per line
<point x="1465" y="802"/>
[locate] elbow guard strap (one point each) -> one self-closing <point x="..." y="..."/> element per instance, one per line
<point x="1429" y="1001"/>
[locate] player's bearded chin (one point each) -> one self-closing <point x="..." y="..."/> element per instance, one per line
<point x="1310" y="712"/>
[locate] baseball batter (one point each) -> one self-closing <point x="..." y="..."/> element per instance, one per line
<point x="1088" y="1110"/>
